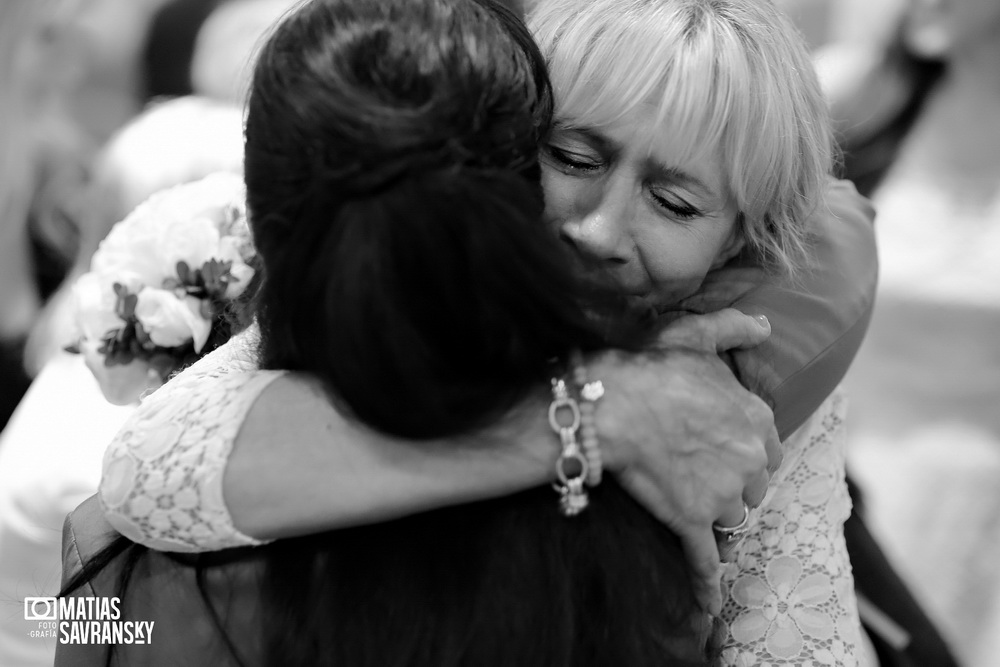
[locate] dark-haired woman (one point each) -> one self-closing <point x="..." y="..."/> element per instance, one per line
<point x="429" y="330"/>
<point x="819" y="319"/>
<point x="431" y="367"/>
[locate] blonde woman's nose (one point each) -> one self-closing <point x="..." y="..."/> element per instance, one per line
<point x="599" y="233"/>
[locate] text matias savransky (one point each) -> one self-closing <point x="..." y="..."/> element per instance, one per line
<point x="86" y="620"/>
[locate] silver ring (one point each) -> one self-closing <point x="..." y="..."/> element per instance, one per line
<point x="728" y="534"/>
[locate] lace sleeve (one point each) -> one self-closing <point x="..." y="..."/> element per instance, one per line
<point x="789" y="598"/>
<point x="162" y="477"/>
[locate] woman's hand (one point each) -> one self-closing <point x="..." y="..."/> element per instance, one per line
<point x="685" y="438"/>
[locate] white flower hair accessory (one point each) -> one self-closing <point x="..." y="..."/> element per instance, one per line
<point x="162" y="285"/>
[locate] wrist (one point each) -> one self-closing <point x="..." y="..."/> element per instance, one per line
<point x="571" y="417"/>
<point x="528" y="450"/>
<point x="612" y="415"/>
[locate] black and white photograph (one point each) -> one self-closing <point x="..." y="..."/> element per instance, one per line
<point x="500" y="333"/>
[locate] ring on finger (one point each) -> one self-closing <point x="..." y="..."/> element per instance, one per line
<point x="729" y="534"/>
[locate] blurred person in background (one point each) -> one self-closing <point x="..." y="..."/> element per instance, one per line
<point x="204" y="47"/>
<point x="169" y="47"/>
<point x="919" y="119"/>
<point x="68" y="72"/>
<point x="226" y="46"/>
<point x="48" y="465"/>
<point x="192" y="48"/>
<point x="50" y="451"/>
<point x="42" y="159"/>
<point x="73" y="72"/>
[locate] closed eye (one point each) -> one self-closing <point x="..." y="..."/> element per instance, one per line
<point x="676" y="206"/>
<point x="572" y="161"/>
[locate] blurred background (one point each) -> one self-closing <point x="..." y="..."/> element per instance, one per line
<point x="104" y="101"/>
<point x="914" y="87"/>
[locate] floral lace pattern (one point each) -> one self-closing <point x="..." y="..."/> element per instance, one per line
<point x="790" y="594"/>
<point x="162" y="476"/>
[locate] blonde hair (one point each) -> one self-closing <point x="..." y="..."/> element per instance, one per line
<point x="730" y="76"/>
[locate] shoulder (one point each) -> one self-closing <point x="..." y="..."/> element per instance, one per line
<point x="85" y="534"/>
<point x="844" y="204"/>
<point x="217" y="389"/>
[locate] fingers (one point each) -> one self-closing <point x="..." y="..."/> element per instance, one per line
<point x="698" y="541"/>
<point x="733" y="514"/>
<point x="761" y="419"/>
<point x="753" y="494"/>
<point x="717" y="332"/>
<point x="706" y="572"/>
<point x="775" y="454"/>
<point x="758" y="479"/>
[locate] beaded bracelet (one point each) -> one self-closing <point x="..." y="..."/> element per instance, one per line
<point x="590" y="393"/>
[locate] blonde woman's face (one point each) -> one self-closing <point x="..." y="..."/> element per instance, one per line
<point x="633" y="218"/>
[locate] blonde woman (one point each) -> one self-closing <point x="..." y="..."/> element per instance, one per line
<point x="678" y="187"/>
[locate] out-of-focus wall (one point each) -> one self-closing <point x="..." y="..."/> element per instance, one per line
<point x="825" y="21"/>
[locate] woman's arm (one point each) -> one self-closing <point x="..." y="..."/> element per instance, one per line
<point x="790" y="594"/>
<point x="299" y="467"/>
<point x="343" y="475"/>
<point x="296" y="466"/>
<point x="287" y="463"/>
<point x="817" y="322"/>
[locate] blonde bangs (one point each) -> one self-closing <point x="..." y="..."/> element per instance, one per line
<point x="593" y="84"/>
<point x="677" y="65"/>
<point x="730" y="78"/>
<point x="703" y="97"/>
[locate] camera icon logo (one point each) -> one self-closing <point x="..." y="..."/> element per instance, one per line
<point x="41" y="609"/>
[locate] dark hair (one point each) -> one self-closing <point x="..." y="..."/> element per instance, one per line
<point x="394" y="193"/>
<point x="393" y="188"/>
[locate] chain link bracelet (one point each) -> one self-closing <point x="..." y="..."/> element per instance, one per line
<point x="579" y="463"/>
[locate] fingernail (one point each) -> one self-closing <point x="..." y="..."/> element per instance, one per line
<point x="762" y="322"/>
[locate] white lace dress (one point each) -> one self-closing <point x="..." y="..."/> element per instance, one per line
<point x="789" y="596"/>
